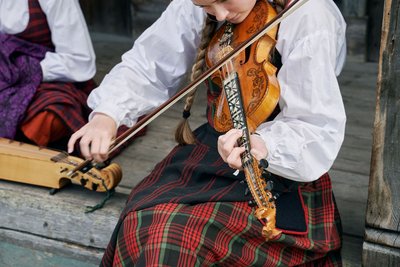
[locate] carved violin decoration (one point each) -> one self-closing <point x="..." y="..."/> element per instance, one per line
<point x="250" y="94"/>
<point x="258" y="82"/>
<point x="50" y="168"/>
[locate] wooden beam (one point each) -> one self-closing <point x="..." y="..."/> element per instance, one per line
<point x="381" y="244"/>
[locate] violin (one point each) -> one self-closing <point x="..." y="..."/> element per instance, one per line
<point x="45" y="167"/>
<point x="250" y="93"/>
<point x="257" y="76"/>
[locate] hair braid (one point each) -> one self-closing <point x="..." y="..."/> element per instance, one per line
<point x="183" y="133"/>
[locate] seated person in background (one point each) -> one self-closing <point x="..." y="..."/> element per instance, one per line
<point x="47" y="65"/>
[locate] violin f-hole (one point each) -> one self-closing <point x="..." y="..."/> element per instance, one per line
<point x="247" y="52"/>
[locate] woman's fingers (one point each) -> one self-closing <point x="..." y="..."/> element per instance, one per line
<point x="95" y="138"/>
<point x="233" y="160"/>
<point x="228" y="149"/>
<point x="227" y="142"/>
<point x="231" y="153"/>
<point x="71" y="143"/>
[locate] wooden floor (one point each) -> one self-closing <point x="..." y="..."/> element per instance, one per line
<point x="55" y="226"/>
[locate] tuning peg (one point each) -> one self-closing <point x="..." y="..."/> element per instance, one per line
<point x="246" y="191"/>
<point x="269" y="186"/>
<point x="275" y="197"/>
<point x="266" y="175"/>
<point x="252" y="203"/>
<point x="263" y="164"/>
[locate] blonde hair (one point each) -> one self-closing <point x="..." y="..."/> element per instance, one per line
<point x="183" y="134"/>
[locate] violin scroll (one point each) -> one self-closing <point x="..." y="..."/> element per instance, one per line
<point x="266" y="208"/>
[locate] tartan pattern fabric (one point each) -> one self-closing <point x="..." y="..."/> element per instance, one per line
<point x="37" y="30"/>
<point x="225" y="234"/>
<point x="66" y="100"/>
<point x="190" y="174"/>
<point x="191" y="197"/>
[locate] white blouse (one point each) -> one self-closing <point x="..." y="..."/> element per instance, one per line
<point x="74" y="58"/>
<point x="303" y="140"/>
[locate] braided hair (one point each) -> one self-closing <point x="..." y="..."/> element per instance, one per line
<point x="183" y="133"/>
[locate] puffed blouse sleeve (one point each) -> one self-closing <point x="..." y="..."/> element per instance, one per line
<point x="73" y="59"/>
<point x="155" y="67"/>
<point x="304" y="139"/>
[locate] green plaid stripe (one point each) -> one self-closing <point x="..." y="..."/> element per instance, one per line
<point x="219" y="234"/>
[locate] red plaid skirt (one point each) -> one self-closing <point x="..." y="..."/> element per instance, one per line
<point x="183" y="214"/>
<point x="220" y="234"/>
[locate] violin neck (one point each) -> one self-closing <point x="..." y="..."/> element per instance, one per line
<point x="266" y="210"/>
<point x="233" y="94"/>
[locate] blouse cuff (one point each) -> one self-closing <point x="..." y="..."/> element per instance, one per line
<point x="116" y="113"/>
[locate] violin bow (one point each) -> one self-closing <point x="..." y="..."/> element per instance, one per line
<point x="294" y="5"/>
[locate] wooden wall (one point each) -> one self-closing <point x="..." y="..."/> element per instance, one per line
<point x="375" y="15"/>
<point x="364" y="22"/>
<point x="114" y="17"/>
<point x="382" y="232"/>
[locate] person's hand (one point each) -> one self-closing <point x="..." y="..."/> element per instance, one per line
<point x="95" y="137"/>
<point x="230" y="152"/>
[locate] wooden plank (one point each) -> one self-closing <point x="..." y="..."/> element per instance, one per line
<point x="12" y="242"/>
<point x="350" y="192"/>
<point x="375" y="255"/>
<point x="62" y="217"/>
<point x="351" y="251"/>
<point x="382" y="237"/>
<point x="353" y="160"/>
<point x="383" y="211"/>
<point x="385" y="186"/>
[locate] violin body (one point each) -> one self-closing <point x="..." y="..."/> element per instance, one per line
<point x="30" y="164"/>
<point x="258" y="82"/>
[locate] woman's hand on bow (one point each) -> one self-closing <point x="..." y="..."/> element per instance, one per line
<point x="95" y="137"/>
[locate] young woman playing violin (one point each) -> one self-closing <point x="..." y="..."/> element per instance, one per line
<point x="192" y="210"/>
